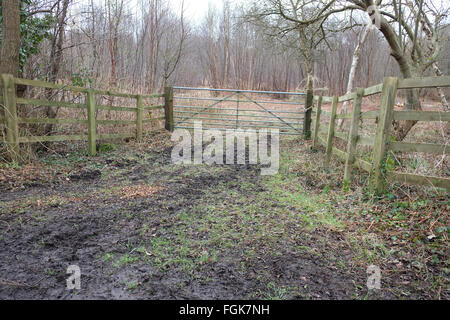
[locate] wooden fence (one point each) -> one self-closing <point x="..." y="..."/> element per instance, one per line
<point x="381" y="143"/>
<point x="10" y="102"/>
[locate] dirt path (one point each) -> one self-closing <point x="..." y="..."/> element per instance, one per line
<point x="140" y="227"/>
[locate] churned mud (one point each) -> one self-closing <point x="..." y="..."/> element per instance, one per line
<point x="140" y="227"/>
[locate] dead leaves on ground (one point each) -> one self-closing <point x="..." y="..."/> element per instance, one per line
<point x="28" y="174"/>
<point x="139" y="191"/>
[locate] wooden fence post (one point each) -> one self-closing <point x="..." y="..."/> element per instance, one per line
<point x="168" y="108"/>
<point x="331" y="130"/>
<point x="12" y="126"/>
<point x="308" y="111"/>
<point x="388" y="92"/>
<point x="353" y="135"/>
<point x="92" y="127"/>
<point x="317" y="122"/>
<point x="139" y="116"/>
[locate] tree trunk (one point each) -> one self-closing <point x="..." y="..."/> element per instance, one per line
<point x="412" y="101"/>
<point x="55" y="63"/>
<point x="154" y="26"/>
<point x="355" y="62"/>
<point x="9" y="54"/>
<point x="438" y="73"/>
<point x="226" y="47"/>
<point x="114" y="23"/>
<point x="310" y="82"/>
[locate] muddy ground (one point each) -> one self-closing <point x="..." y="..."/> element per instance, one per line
<point x="140" y="227"/>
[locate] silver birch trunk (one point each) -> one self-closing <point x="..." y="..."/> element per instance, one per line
<point x="355" y="62"/>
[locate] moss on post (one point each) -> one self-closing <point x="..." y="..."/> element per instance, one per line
<point x="388" y="95"/>
<point x="331" y="130"/>
<point x="92" y="128"/>
<point x="168" y="108"/>
<point x="11" y="121"/>
<point x="353" y="136"/>
<point x="139" y="116"/>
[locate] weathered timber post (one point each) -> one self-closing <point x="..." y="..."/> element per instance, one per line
<point x="168" y="108"/>
<point x="317" y="122"/>
<point x="139" y="116"/>
<point x="92" y="127"/>
<point x="388" y="93"/>
<point x="12" y="126"/>
<point x="308" y="112"/>
<point x="353" y="135"/>
<point x="331" y="129"/>
<point x="237" y="109"/>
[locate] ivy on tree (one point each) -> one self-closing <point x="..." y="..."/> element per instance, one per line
<point x="33" y="30"/>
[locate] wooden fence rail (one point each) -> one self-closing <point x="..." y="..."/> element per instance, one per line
<point x="10" y="102"/>
<point x="381" y="143"/>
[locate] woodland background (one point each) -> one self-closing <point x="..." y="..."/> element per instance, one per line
<point x="146" y="44"/>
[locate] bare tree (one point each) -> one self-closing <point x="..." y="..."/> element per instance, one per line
<point x="227" y="51"/>
<point x="306" y="40"/>
<point x="155" y="38"/>
<point x="210" y="28"/>
<point x="355" y="62"/>
<point x="114" y="20"/>
<point x="410" y="56"/>
<point x="226" y="30"/>
<point x="173" y="46"/>
<point x="56" y="56"/>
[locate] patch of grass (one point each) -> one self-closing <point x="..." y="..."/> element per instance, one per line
<point x="108" y="257"/>
<point x="208" y="257"/>
<point x="313" y="209"/>
<point x="106" y="147"/>
<point x="368" y="248"/>
<point x="125" y="259"/>
<point x="131" y="286"/>
<point x="276" y="292"/>
<point x="239" y="218"/>
<point x="14" y="165"/>
<point x="167" y="253"/>
<point x="66" y="160"/>
<point x="50" y="272"/>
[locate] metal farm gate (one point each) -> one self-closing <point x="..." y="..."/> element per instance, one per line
<point x="239" y="109"/>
